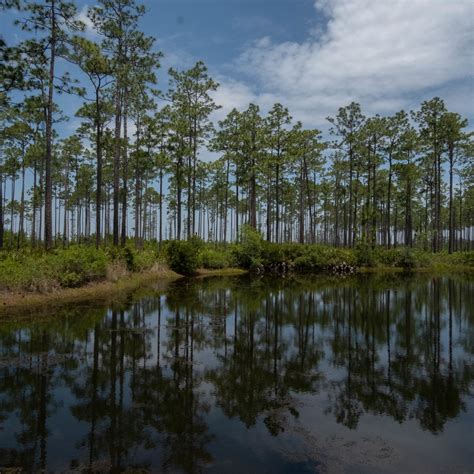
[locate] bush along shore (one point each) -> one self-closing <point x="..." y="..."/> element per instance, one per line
<point x="79" y="265"/>
<point x="254" y="254"/>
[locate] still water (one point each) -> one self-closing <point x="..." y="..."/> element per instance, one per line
<point x="240" y="374"/>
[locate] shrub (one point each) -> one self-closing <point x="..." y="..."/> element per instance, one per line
<point x="272" y="254"/>
<point x="124" y="254"/>
<point x="77" y="265"/>
<point x="145" y="259"/>
<point x="70" y="280"/>
<point x="463" y="258"/>
<point x="24" y="271"/>
<point x="387" y="257"/>
<point x="248" y="252"/>
<point x="213" y="259"/>
<point x="407" y="259"/>
<point x="421" y="258"/>
<point x="319" y="258"/>
<point x="293" y="251"/>
<point x="43" y="271"/>
<point x="365" y="255"/>
<point x="182" y="257"/>
<point x="196" y="242"/>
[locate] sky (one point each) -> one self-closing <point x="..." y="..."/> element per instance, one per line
<point x="314" y="56"/>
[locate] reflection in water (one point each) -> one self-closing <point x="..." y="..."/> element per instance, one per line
<point x="160" y="384"/>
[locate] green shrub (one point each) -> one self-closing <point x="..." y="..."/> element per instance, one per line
<point x="462" y="258"/>
<point x="125" y="254"/>
<point x="319" y="258"/>
<point x="64" y="267"/>
<point x="145" y="259"/>
<point x="365" y="255"/>
<point x="182" y="257"/>
<point x="197" y="243"/>
<point x="387" y="257"/>
<point x="248" y="252"/>
<point x="293" y="251"/>
<point x="27" y="272"/>
<point x="272" y="254"/>
<point x="422" y="258"/>
<point x="77" y="265"/>
<point x="407" y="259"/>
<point x="70" y="280"/>
<point x="403" y="257"/>
<point x="213" y="259"/>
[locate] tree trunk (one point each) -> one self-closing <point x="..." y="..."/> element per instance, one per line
<point x="2" y="219"/>
<point x="12" y="210"/>
<point x="123" y="236"/>
<point x="226" y="200"/>
<point x="98" y="192"/>
<point x="451" y="212"/>
<point x="21" y="228"/>
<point x="48" y="192"/>
<point x="161" y="205"/>
<point x="349" y="238"/>
<point x="116" y="177"/>
<point x="66" y="203"/>
<point x="178" y="195"/>
<point x="301" y="205"/>
<point x="277" y="201"/>
<point x="388" y="237"/>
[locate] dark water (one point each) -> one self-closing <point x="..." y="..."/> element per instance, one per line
<point x="243" y="375"/>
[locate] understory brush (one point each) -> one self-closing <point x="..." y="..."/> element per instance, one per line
<point x="183" y="255"/>
<point x="36" y="270"/>
<point x="77" y="265"/>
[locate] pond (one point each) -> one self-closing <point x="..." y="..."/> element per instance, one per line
<point x="241" y="374"/>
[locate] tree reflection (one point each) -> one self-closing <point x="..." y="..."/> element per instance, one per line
<point x="140" y="379"/>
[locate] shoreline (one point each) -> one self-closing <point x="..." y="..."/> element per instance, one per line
<point x="101" y="291"/>
<point x="12" y="302"/>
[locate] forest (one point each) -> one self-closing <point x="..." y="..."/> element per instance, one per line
<point x="327" y="324"/>
<point x="152" y="165"/>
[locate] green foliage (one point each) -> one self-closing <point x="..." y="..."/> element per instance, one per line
<point x="36" y="270"/>
<point x="387" y="257"/>
<point x="463" y="258"/>
<point x="248" y="253"/>
<point x="364" y="255"/>
<point x="196" y="242"/>
<point x="145" y="259"/>
<point x="64" y="267"/>
<point x="125" y="254"/>
<point x="319" y="258"/>
<point x="407" y="259"/>
<point x="183" y="256"/>
<point x="68" y="268"/>
<point x="402" y="257"/>
<point x="19" y="270"/>
<point x="136" y="260"/>
<point x="214" y="259"/>
<point x="78" y="265"/>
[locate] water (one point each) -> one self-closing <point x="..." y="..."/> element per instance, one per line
<point x="242" y="375"/>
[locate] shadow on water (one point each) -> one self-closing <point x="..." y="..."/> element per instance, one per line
<point x="243" y="374"/>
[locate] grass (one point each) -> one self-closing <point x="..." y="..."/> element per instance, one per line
<point x="26" y="304"/>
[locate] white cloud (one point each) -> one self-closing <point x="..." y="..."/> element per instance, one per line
<point x="386" y="54"/>
<point x="89" y="26"/>
<point x="231" y="94"/>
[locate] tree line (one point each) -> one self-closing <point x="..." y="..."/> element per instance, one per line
<point x="134" y="168"/>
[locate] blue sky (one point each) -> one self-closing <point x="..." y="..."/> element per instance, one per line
<point x="316" y="55"/>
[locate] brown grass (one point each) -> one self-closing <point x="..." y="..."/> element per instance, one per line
<point x="119" y="282"/>
<point x="15" y="303"/>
